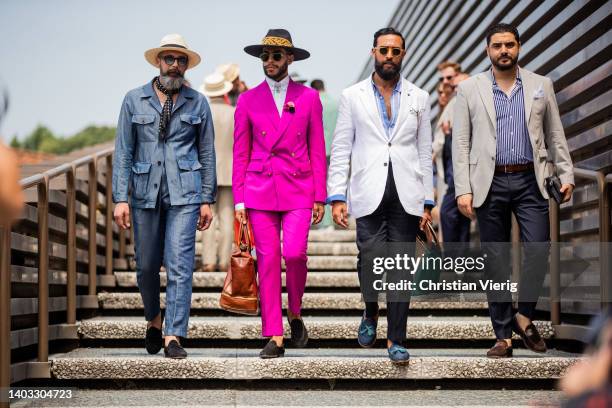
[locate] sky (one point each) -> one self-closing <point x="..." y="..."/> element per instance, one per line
<point x="68" y="63"/>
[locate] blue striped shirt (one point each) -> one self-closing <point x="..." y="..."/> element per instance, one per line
<point x="388" y="122"/>
<point x="513" y="144"/>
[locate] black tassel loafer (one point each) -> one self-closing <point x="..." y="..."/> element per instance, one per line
<point x="174" y="350"/>
<point x="272" y="350"/>
<point x="299" y="334"/>
<point x="153" y="340"/>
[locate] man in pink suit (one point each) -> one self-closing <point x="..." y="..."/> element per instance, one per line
<point x="278" y="181"/>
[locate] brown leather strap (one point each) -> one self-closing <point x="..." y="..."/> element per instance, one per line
<point x="513" y="168"/>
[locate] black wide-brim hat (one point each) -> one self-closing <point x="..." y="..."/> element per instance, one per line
<point x="277" y="37"/>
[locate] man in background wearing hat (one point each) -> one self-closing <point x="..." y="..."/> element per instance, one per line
<point x="279" y="181"/>
<point x="217" y="240"/>
<point x="164" y="154"/>
<point x="231" y="73"/>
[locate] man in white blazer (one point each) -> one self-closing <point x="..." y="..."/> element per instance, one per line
<point x="383" y="135"/>
<point x="506" y="130"/>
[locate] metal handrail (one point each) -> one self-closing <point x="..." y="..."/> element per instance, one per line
<point x="41" y="182"/>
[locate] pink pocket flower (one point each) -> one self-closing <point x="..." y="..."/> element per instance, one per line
<point x="289" y="107"/>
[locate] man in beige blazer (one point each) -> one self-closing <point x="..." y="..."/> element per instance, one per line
<point x="506" y="128"/>
<point x="217" y="240"/>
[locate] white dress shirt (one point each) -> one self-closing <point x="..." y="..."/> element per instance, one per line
<point x="279" y="92"/>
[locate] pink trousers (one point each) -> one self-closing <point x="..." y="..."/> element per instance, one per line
<point x="267" y="226"/>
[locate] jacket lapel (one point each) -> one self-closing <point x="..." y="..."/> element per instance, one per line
<point x="485" y="87"/>
<point x="528" y="89"/>
<point x="149" y="93"/>
<point x="403" y="108"/>
<point x="370" y="104"/>
<point x="293" y="93"/>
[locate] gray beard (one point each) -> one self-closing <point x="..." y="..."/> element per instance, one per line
<point x="171" y="83"/>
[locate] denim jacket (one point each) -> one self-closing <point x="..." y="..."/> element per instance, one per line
<point x="187" y="153"/>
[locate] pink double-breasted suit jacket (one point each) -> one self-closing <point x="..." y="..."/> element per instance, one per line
<point x="279" y="161"/>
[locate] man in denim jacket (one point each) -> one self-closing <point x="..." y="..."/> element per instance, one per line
<point x="164" y="154"/>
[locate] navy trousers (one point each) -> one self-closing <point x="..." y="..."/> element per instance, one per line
<point x="516" y="193"/>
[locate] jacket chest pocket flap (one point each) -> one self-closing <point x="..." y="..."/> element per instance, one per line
<point x="143" y="123"/>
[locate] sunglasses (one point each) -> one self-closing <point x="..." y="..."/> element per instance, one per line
<point x="169" y="60"/>
<point x="448" y="78"/>
<point x="276" y="56"/>
<point x="395" y="51"/>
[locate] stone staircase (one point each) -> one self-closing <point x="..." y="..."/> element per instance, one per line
<point x="447" y="338"/>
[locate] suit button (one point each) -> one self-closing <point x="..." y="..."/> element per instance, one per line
<point x="269" y="173"/>
<point x="292" y="154"/>
<point x="263" y="133"/>
<point x="272" y="154"/>
<point x="294" y="173"/>
<point x="155" y="185"/>
<point x="299" y="133"/>
<point x="159" y="163"/>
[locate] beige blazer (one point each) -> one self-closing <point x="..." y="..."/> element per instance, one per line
<point x="223" y="122"/>
<point x="474" y="134"/>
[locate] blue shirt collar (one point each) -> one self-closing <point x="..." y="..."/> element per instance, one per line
<point x="397" y="88"/>
<point x="518" y="76"/>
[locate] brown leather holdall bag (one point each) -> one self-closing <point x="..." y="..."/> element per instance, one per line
<point x="240" y="293"/>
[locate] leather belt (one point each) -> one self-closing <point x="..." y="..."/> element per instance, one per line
<point x="513" y="168"/>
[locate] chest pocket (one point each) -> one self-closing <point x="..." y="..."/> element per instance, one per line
<point x="144" y="125"/>
<point x="189" y="124"/>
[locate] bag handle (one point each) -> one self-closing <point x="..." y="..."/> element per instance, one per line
<point x="244" y="238"/>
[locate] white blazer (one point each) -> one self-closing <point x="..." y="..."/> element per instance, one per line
<point x="360" y="151"/>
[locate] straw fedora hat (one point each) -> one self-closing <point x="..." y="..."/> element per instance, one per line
<point x="229" y="71"/>
<point x="172" y="42"/>
<point x="215" y="85"/>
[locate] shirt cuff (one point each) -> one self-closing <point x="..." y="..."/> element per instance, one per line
<point x="430" y="202"/>
<point x="239" y="206"/>
<point x="336" y="197"/>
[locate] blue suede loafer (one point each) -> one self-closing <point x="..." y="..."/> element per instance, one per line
<point x="398" y="354"/>
<point x="367" y="331"/>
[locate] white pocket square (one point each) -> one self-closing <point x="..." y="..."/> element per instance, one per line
<point x="538" y="93"/>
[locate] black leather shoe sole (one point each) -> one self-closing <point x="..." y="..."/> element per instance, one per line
<point x="153" y="340"/>
<point x="271" y="350"/>
<point x="299" y="334"/>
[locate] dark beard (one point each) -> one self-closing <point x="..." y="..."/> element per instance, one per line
<point x="282" y="72"/>
<point x="505" y="67"/>
<point x="171" y="83"/>
<point x="387" y="74"/>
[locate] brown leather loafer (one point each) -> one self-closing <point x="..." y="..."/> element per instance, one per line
<point x="500" y="350"/>
<point x="532" y="339"/>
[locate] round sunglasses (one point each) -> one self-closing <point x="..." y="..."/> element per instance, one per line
<point x="169" y="60"/>
<point x="276" y="56"/>
<point x="395" y="51"/>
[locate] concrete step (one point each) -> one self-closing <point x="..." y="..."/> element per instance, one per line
<point x="310" y="301"/>
<point x="214" y="280"/>
<point x="300" y="395"/>
<point x="322" y="328"/>
<point x="363" y="364"/>
<point x="332" y="235"/>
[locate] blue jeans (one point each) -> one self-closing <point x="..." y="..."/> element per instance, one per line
<point x="166" y="233"/>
